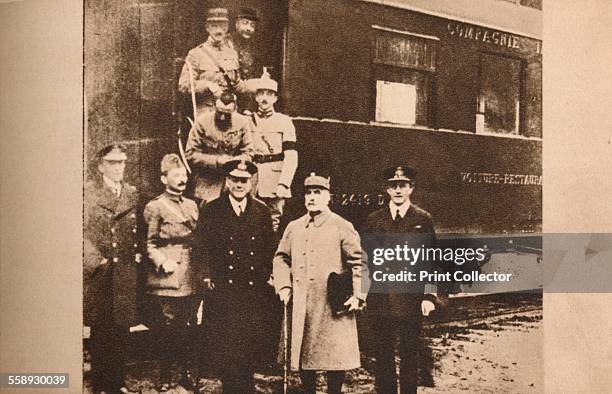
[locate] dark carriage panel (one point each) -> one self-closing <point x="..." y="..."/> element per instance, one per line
<point x="469" y="183"/>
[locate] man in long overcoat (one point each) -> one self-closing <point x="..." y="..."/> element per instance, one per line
<point x="312" y="247"/>
<point x="399" y="313"/>
<point x="234" y="245"/>
<point x="111" y="255"/>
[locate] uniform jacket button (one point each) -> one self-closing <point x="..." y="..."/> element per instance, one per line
<point x="251" y="253"/>
<point x="230" y="281"/>
<point x="252" y="238"/>
<point x="134" y="230"/>
<point x="231" y="252"/>
<point x="252" y="268"/>
<point x="251" y="282"/>
<point x="113" y="230"/>
<point x="231" y="238"/>
<point x="135" y="245"/>
<point x="114" y="244"/>
<point x="115" y="259"/>
<point x="231" y="267"/>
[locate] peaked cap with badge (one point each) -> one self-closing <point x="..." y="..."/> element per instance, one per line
<point x="399" y="173"/>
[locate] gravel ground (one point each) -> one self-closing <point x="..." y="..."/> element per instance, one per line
<point x="495" y="354"/>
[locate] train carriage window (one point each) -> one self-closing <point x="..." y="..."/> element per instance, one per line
<point x="499" y="101"/>
<point x="404" y="65"/>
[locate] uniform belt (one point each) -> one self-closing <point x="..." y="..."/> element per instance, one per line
<point x="259" y="159"/>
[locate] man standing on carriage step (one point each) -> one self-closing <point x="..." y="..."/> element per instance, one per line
<point x="215" y="139"/>
<point x="274" y="147"/>
<point x="214" y="65"/>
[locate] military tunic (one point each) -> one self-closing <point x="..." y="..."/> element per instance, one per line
<point x="309" y="251"/>
<point x="276" y="158"/>
<point x="171" y="220"/>
<point x="272" y="137"/>
<point x="236" y="252"/>
<point x="205" y="60"/>
<point x="208" y="148"/>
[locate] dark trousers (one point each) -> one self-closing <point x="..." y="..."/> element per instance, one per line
<point x="109" y="345"/>
<point x="169" y="319"/>
<point x="407" y="331"/>
<point x="335" y="380"/>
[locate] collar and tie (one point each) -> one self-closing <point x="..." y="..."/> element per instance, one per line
<point x="238" y="206"/>
<point x="397" y="217"/>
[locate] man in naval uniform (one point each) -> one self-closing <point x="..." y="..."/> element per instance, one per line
<point x="214" y="65"/>
<point x="234" y="245"/>
<point x="274" y="143"/>
<point x="171" y="219"/>
<point x="216" y="138"/>
<point x="400" y="313"/>
<point x="112" y="253"/>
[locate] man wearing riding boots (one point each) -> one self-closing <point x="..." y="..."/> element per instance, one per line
<point x="170" y="302"/>
<point x="274" y="143"/>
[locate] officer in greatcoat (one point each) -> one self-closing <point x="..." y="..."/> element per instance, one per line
<point x="399" y="313"/>
<point x="234" y="245"/>
<point x="171" y="308"/>
<point x="216" y="138"/>
<point x="112" y="253"/>
<point x="312" y="247"/>
<point x="274" y="145"/>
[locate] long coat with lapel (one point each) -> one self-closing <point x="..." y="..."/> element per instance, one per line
<point x="418" y="223"/>
<point x="236" y="253"/>
<point x="111" y="237"/>
<point x="308" y="252"/>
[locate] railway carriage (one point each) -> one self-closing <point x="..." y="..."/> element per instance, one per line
<point x="452" y="87"/>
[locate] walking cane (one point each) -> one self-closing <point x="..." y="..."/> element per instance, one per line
<point x="286" y="350"/>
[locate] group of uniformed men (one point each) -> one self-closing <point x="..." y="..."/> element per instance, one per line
<point x="224" y="244"/>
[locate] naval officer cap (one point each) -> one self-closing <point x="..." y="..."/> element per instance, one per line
<point x="239" y="168"/>
<point x="217" y="15"/>
<point x="248" y="13"/>
<point x="112" y="152"/>
<point x="399" y="173"/>
<point x="315" y="180"/>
